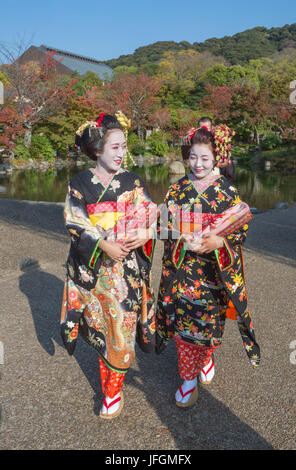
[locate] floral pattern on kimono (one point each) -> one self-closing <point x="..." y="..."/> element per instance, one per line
<point x="195" y="289"/>
<point x="110" y="304"/>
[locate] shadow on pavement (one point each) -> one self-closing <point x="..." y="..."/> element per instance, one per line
<point x="207" y="425"/>
<point x="45" y="292"/>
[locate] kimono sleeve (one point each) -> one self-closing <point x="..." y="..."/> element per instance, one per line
<point x="225" y="256"/>
<point x="78" y="223"/>
<point x="142" y="198"/>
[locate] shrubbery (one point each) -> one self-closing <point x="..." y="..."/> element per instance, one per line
<point x="135" y="145"/>
<point x="158" y="143"/>
<point x="21" y="151"/>
<point x="271" y="141"/>
<point x="41" y="148"/>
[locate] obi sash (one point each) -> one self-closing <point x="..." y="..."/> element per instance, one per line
<point x="120" y="219"/>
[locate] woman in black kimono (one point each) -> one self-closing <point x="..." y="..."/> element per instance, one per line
<point x="202" y="264"/>
<point x="108" y="297"/>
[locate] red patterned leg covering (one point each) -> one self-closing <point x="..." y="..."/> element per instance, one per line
<point x="191" y="358"/>
<point x="111" y="381"/>
<point x="104" y="373"/>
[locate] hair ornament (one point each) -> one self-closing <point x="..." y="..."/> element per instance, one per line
<point x="123" y="120"/>
<point x="223" y="137"/>
<point x="125" y="124"/>
<point x="99" y="120"/>
<point x="80" y="130"/>
<point x="186" y="140"/>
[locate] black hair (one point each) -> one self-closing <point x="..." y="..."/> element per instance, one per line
<point x="203" y="120"/>
<point x="93" y="138"/>
<point x="185" y="149"/>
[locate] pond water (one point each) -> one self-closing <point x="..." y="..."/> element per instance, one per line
<point x="259" y="189"/>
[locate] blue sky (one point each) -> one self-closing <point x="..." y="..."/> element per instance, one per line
<point x="107" y="29"/>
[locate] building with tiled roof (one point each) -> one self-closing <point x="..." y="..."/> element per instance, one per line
<point x="70" y="62"/>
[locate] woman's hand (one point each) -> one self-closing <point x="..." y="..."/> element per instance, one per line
<point x="211" y="243"/>
<point x="191" y="243"/>
<point x="207" y="244"/>
<point x="139" y="238"/>
<point x="114" y="250"/>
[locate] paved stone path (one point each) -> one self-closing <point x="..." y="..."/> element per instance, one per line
<point x="50" y="400"/>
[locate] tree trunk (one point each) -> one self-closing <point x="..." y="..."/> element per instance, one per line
<point x="256" y="136"/>
<point x="140" y="133"/>
<point x="11" y="155"/>
<point x="28" y="137"/>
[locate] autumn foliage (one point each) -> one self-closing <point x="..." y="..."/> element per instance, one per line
<point x="170" y="95"/>
<point x="35" y="93"/>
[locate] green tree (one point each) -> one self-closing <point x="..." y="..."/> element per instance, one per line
<point x="87" y="81"/>
<point x="60" y="129"/>
<point x="123" y="69"/>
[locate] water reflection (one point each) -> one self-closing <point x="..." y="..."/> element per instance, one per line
<point x="264" y="189"/>
<point x="258" y="189"/>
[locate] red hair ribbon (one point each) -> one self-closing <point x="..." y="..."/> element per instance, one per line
<point x="100" y="119"/>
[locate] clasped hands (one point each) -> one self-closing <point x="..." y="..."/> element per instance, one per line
<point x="118" y="251"/>
<point x="205" y="244"/>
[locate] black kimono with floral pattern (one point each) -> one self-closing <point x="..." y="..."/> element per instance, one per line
<point x="195" y="289"/>
<point x="111" y="304"/>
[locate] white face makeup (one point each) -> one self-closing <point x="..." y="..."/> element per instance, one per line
<point x="201" y="160"/>
<point x="114" y="152"/>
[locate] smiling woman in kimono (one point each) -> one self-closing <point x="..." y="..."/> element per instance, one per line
<point x="108" y="297"/>
<point x="202" y="264"/>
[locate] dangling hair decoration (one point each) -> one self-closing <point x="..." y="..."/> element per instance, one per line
<point x="223" y="137"/>
<point x="125" y="124"/>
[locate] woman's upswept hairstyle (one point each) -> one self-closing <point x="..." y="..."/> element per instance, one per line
<point x="200" y="136"/>
<point x="219" y="139"/>
<point x="203" y="136"/>
<point x="92" y="135"/>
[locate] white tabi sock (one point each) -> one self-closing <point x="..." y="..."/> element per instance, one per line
<point x="112" y="408"/>
<point x="208" y="372"/>
<point x="187" y="385"/>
